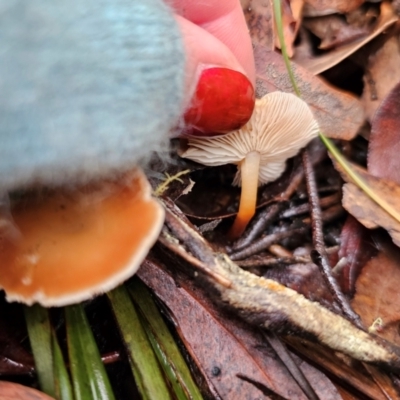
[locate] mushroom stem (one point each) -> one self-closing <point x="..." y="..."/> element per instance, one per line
<point x="249" y="169"/>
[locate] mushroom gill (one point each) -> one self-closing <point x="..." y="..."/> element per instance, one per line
<point x="281" y="124"/>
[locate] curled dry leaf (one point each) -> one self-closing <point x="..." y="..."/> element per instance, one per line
<point x="338" y="113"/>
<point x="370" y="214"/>
<point x="384" y="143"/>
<point x="321" y="63"/>
<point x="356" y="249"/>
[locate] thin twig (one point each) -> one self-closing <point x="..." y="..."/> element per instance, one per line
<point x="325" y="202"/>
<point x="319" y="256"/>
<point x="263" y="219"/>
<point x="290" y="364"/>
<point x="265" y="242"/>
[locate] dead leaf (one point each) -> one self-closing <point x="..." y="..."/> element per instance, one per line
<point x="370" y="214"/>
<point x="227" y="351"/>
<point x="339" y="114"/>
<point x="334" y="31"/>
<point x="321" y="63"/>
<point x="382" y="74"/>
<point x="260" y="20"/>
<point x="222" y="348"/>
<point x="377" y="292"/>
<point x="356" y="247"/>
<point x="384" y="144"/>
<point x="315" y="8"/>
<point x="353" y="373"/>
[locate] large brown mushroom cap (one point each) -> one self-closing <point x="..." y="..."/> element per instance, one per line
<point x="280" y="126"/>
<point x="74" y="245"/>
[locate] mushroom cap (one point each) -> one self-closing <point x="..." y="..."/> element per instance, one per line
<point x="75" y="244"/>
<point x="280" y="126"/>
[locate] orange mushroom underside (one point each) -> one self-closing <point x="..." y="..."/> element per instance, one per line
<point x="77" y="244"/>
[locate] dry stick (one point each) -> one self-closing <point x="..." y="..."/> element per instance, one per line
<point x="265" y="242"/>
<point x="325" y="202"/>
<point x="201" y="256"/>
<point x="321" y="258"/>
<point x="257" y="228"/>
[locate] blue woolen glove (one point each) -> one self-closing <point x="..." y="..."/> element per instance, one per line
<point x="87" y="87"/>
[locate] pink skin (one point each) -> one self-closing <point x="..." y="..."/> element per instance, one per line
<point x="215" y="35"/>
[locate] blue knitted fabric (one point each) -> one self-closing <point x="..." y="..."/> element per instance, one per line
<point x="87" y="87"/>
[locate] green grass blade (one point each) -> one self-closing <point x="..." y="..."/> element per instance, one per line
<point x="358" y="180"/>
<point x="164" y="345"/>
<point x="146" y="370"/>
<point x="89" y="377"/>
<point x="39" y="331"/>
<point x="279" y="28"/>
<point x="62" y="383"/>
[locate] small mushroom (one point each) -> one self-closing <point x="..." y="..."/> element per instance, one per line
<point x="280" y="126"/>
<point x="76" y="244"/>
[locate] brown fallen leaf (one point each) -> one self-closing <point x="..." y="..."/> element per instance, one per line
<point x="334" y="31"/>
<point x="259" y="18"/>
<point x="381" y="75"/>
<point x="370" y="214"/>
<point x="353" y="373"/>
<point x="356" y="247"/>
<point x="377" y="295"/>
<point x="315" y="8"/>
<point x="319" y="64"/>
<point x="339" y="114"/>
<point x="384" y="143"/>
<point x="235" y="358"/>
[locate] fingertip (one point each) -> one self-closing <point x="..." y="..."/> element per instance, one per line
<point x="225" y="21"/>
<point x="219" y="91"/>
<point x="223" y="101"/>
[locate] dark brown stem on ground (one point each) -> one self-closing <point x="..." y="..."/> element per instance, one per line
<point x="257" y="228"/>
<point x="288" y="361"/>
<point x="265" y="242"/>
<point x="320" y="256"/>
